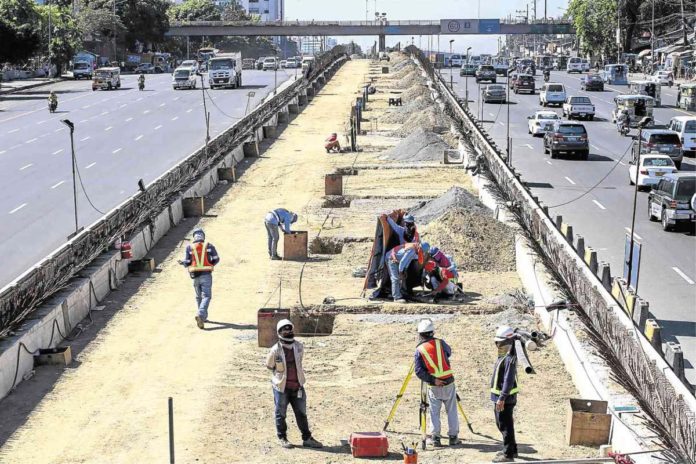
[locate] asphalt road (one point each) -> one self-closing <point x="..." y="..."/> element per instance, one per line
<point x="603" y="216"/>
<point x="121" y="136"/>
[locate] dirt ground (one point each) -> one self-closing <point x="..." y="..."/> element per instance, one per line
<point x="110" y="406"/>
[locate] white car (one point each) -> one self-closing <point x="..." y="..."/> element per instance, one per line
<point x="193" y="64"/>
<point x="663" y="77"/>
<point x="652" y="168"/>
<point x="541" y="122"/>
<point x="270" y="64"/>
<point x="574" y="65"/>
<point x="183" y="78"/>
<point x="685" y="126"/>
<point x="456" y="61"/>
<point x="585" y="65"/>
<point x="552" y="94"/>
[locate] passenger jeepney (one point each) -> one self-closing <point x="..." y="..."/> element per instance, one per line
<point x="687" y="97"/>
<point x="649" y="88"/>
<point x="616" y="74"/>
<point x="638" y="107"/>
<point x="106" y="79"/>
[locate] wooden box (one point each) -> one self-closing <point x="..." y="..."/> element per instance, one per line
<point x="333" y="184"/>
<point x="61" y="355"/>
<point x="588" y="423"/>
<point x="295" y="245"/>
<point x="266" y="321"/>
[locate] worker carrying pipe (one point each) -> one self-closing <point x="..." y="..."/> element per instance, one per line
<point x="504" y="389"/>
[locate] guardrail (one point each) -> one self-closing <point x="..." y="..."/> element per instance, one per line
<point x="50" y="275"/>
<point x="661" y="391"/>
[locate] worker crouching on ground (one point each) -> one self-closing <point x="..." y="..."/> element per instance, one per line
<point x="200" y="260"/>
<point x="405" y="233"/>
<point x="400" y="258"/>
<point x="285" y="361"/>
<point x="274" y="220"/>
<point x="432" y="367"/>
<point x="504" y="392"/>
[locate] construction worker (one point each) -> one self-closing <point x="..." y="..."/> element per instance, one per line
<point x="398" y="261"/>
<point x="200" y="260"/>
<point x="406" y="233"/>
<point x="432" y="366"/>
<point x="504" y="392"/>
<point x="285" y="361"/>
<point x="438" y="278"/>
<point x="274" y="220"/>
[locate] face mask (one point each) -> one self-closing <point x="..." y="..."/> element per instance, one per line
<point x="287" y="336"/>
<point x="504" y="350"/>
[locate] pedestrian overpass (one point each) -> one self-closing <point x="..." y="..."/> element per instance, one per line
<point x="380" y="28"/>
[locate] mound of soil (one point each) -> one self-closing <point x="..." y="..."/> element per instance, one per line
<point x="456" y="197"/>
<point x="428" y="119"/>
<point x="421" y="145"/>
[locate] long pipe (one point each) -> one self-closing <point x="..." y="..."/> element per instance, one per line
<point x="592" y="460"/>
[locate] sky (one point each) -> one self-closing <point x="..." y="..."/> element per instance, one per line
<point x="421" y="10"/>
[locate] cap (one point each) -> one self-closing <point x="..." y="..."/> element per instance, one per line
<point x="409" y="219"/>
<point x="425" y="246"/>
<point x="434" y="250"/>
<point x="282" y="323"/>
<point x="503" y="333"/>
<point x="425" y="326"/>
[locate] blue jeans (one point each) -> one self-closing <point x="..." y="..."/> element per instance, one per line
<point x="298" y="400"/>
<point x="203" y="285"/>
<point x="395" y="279"/>
<point x="273" y="237"/>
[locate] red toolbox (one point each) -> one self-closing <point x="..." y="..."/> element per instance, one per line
<point x="369" y="444"/>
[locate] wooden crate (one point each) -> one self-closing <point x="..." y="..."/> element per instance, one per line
<point x="266" y="321"/>
<point x="61" y="355"/>
<point x="333" y="184"/>
<point x="588" y="422"/>
<point x="295" y="245"/>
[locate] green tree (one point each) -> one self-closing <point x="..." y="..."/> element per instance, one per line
<point x="65" y="37"/>
<point x="145" y="21"/>
<point x="595" y="25"/>
<point x="98" y="22"/>
<point x="19" y="34"/>
<point x="233" y="11"/>
<point x="195" y="10"/>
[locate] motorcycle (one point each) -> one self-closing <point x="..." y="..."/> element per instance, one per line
<point x="623" y="127"/>
<point x="52" y="106"/>
<point x="141" y="85"/>
<point x="547" y="76"/>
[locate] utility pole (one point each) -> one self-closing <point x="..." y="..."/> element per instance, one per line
<point x="652" y="37"/>
<point x="366" y="7"/>
<point x="686" y="39"/>
<point x="48" y="5"/>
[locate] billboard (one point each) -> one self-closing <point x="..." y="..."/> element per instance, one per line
<point x="470" y="26"/>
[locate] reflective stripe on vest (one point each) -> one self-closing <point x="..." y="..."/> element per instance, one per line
<point x="440" y="370"/>
<point x="199" y="258"/>
<point x="496" y="378"/>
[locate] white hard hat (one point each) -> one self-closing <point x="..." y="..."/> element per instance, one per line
<point x="425" y="326"/>
<point x="283" y="323"/>
<point x="503" y="333"/>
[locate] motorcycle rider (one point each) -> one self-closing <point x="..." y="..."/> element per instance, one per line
<point x="52" y="100"/>
<point x="547" y="74"/>
<point x="623" y="121"/>
<point x="141" y="81"/>
<point x="528" y="70"/>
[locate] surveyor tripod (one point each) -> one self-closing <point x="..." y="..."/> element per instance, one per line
<point x="423" y="409"/>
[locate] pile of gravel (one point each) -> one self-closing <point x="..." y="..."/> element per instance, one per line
<point x="400" y="114"/>
<point x="421" y="145"/>
<point x="410" y="79"/>
<point x="415" y="91"/>
<point x="456" y="197"/>
<point x="428" y="120"/>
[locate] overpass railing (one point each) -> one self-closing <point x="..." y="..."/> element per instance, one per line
<point x="303" y="23"/>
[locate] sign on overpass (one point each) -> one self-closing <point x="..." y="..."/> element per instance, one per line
<point x="470" y="26"/>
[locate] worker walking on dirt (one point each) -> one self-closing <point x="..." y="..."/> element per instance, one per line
<point x="285" y="361"/>
<point x="274" y="220"/>
<point x="400" y="258"/>
<point x="504" y="392"/>
<point x="200" y="260"/>
<point x="432" y="366"/>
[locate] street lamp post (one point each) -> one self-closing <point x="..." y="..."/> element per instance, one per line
<point x="275" y="75"/>
<point x="450" y="63"/>
<point x="205" y="110"/>
<point x="466" y="79"/>
<point x="507" y="122"/>
<point x="71" y="126"/>
<point x="645" y="121"/>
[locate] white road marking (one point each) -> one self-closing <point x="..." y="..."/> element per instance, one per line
<point x="15" y="146"/>
<point x="501" y="123"/>
<point x="58" y="184"/>
<point x="634" y="234"/>
<point x="158" y="127"/>
<point x="682" y="275"/>
<point x="601" y="206"/>
<point x="42" y="136"/>
<point x="123" y="106"/>
<point x="90" y="165"/>
<point x="549" y="162"/>
<point x="104" y="113"/>
<point x="57" y="151"/>
<point x="2" y="152"/>
<point x="116" y="150"/>
<point x="493" y="115"/>
<point x="40" y="122"/>
<point x="595" y="147"/>
<point x="176" y="98"/>
<point x="189" y="110"/>
<point x="138" y="137"/>
<point x="59" y="130"/>
<point x="13" y="131"/>
<point x="163" y="104"/>
<point x="31" y="140"/>
<point x="139" y="99"/>
<point x="129" y="119"/>
<point x="86" y="138"/>
<point x="18" y="208"/>
<point x="622" y="163"/>
<point x="175" y="118"/>
<point x="529" y="146"/>
<point x="27" y="166"/>
<point x="86" y="106"/>
<point x="146" y="111"/>
<point x="108" y="128"/>
<point x="570" y="180"/>
<point x="83" y="120"/>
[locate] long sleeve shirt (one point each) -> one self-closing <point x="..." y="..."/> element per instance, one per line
<point x="212" y="253"/>
<point x="422" y="371"/>
<point x="404" y="256"/>
<point x="509" y="375"/>
<point x="397" y="229"/>
<point x="280" y="217"/>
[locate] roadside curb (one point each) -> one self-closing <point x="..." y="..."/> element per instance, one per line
<point x="30" y="86"/>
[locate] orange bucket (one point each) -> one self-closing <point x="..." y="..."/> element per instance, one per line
<point x="411" y="458"/>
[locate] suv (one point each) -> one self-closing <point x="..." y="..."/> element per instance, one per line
<point x="270" y="64"/>
<point x="485" y="72"/>
<point x="523" y="83"/>
<point x="568" y="137"/>
<point x="661" y="141"/>
<point x="669" y="200"/>
<point x="468" y="70"/>
<point x="82" y="69"/>
<point x="579" y="107"/>
<point x="592" y="82"/>
<point x="552" y="94"/>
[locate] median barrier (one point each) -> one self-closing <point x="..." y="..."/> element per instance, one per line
<point x="668" y="400"/>
<point x="56" y="301"/>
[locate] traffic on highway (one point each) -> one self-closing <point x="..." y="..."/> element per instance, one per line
<point x="566" y="139"/>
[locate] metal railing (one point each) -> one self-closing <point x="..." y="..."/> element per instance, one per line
<point x="304" y="23"/>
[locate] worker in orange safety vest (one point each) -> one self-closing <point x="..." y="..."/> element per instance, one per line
<point x="200" y="260"/>
<point x="432" y="366"/>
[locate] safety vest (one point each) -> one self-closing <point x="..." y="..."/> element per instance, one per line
<point x="199" y="258"/>
<point x="497" y="381"/>
<point x="407" y="246"/>
<point x="432" y="349"/>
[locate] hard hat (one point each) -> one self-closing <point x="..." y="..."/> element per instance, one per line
<point x="409" y="219"/>
<point x="504" y="333"/>
<point x="425" y="326"/>
<point x="425" y="246"/>
<point x="283" y="323"/>
<point x="434" y="250"/>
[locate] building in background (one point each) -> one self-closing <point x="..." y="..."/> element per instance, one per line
<point x="314" y="44"/>
<point x="266" y="10"/>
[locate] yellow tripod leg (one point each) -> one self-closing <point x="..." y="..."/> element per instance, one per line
<point x="398" y="397"/>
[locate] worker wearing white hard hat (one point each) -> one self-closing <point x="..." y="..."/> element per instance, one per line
<point x="432" y="366"/>
<point x="504" y="391"/>
<point x="285" y="361"/>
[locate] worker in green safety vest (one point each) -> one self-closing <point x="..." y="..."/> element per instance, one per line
<point x="504" y="391"/>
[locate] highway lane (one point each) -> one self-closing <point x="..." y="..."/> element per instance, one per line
<point x="603" y="214"/>
<point x="121" y="136"/>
